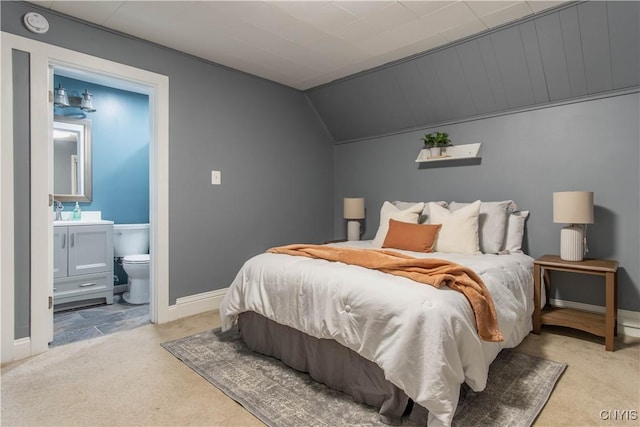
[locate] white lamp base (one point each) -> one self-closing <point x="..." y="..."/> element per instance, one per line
<point x="353" y="230"/>
<point x="572" y="243"/>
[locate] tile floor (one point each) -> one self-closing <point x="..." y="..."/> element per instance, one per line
<point x="89" y="322"/>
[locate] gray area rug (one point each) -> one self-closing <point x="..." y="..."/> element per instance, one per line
<point x="518" y="388"/>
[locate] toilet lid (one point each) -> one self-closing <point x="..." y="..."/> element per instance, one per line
<point x="137" y="259"/>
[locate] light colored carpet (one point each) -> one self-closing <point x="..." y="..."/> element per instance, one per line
<point x="128" y="379"/>
<point x="518" y="387"/>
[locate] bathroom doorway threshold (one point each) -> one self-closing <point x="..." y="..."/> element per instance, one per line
<point x="83" y="323"/>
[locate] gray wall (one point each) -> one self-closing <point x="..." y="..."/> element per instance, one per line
<point x="273" y="151"/>
<point x="577" y="50"/>
<point x="526" y="156"/>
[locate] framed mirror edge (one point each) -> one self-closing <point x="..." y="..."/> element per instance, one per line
<point x="87" y="160"/>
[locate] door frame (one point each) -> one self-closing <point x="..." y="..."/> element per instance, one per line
<point x="43" y="56"/>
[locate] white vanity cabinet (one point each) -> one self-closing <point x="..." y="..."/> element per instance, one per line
<point x="82" y="263"/>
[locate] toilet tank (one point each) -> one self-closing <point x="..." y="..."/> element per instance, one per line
<point x="130" y="239"/>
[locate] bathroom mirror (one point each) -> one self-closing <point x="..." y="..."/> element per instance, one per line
<point x="71" y="159"/>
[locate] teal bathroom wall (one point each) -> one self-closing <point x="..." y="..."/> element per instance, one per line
<point x="120" y="151"/>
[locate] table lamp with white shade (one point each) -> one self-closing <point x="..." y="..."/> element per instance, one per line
<point x="576" y="209"/>
<point x="354" y="212"/>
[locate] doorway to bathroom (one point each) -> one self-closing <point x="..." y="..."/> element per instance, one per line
<point x="37" y="305"/>
<point x="116" y="189"/>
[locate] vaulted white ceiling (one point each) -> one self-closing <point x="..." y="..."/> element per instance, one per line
<point x="301" y="44"/>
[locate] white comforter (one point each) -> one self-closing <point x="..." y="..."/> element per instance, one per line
<point x="423" y="338"/>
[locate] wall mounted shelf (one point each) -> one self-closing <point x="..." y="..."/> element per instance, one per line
<point x="453" y="152"/>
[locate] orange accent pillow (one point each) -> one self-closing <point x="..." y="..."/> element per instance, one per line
<point x="411" y="237"/>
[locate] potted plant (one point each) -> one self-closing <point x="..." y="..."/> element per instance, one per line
<point x="435" y="141"/>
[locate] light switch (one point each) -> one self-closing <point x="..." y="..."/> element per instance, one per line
<point x="215" y="178"/>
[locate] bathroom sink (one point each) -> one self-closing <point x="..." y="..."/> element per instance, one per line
<point x="88" y="218"/>
<point x="81" y="222"/>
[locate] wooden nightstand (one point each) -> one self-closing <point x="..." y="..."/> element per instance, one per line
<point x="597" y="324"/>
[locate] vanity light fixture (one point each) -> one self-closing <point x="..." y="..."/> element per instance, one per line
<point x="87" y="102"/>
<point x="60" y="98"/>
<point x="84" y="102"/>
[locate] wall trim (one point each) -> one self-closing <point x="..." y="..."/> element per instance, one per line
<point x="7" y="265"/>
<point x="628" y="321"/>
<point x="196" y="304"/>
<point x="21" y="348"/>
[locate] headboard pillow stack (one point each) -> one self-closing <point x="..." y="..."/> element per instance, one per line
<point x="466" y="228"/>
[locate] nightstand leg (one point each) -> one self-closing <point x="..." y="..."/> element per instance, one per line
<point x="536" y="299"/>
<point x="610" y="317"/>
<point x="547" y="285"/>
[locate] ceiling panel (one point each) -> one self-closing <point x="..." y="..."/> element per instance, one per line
<point x="623" y="20"/>
<point x="392" y="16"/>
<point x="512" y="13"/>
<point x="484" y="8"/>
<point x="464" y="30"/>
<point x="476" y="76"/>
<point x="312" y="36"/>
<point x="573" y="51"/>
<point x="534" y="62"/>
<point x="581" y="49"/>
<point x="493" y="73"/>
<point x="509" y="51"/>
<point x="454" y="85"/>
<point x="422" y="8"/>
<point x="363" y="8"/>
<point x="553" y="58"/>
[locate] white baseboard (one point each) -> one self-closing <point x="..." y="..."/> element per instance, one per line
<point x="21" y="348"/>
<point x="628" y="321"/>
<point x="196" y="304"/>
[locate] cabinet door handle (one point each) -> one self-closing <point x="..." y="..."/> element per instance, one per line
<point x="64" y="240"/>
<point x="72" y="239"/>
<point x="85" y="285"/>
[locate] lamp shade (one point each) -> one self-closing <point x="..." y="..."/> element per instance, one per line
<point x="354" y="207"/>
<point x="573" y="207"/>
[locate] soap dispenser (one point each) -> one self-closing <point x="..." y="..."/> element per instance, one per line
<point x="77" y="213"/>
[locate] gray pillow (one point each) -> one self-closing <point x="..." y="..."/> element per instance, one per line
<point x="492" y="224"/>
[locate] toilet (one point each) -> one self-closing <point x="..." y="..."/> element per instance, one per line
<point x="131" y="243"/>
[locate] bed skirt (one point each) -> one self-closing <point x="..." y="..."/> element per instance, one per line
<point x="332" y="364"/>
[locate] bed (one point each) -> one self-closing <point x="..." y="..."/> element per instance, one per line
<point x="388" y="341"/>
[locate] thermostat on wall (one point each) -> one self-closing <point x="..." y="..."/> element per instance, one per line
<point x="36" y="23"/>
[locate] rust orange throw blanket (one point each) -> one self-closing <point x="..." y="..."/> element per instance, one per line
<point x="431" y="271"/>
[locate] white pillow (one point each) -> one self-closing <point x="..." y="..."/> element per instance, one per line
<point x="388" y="211"/>
<point x="492" y="225"/>
<point x="515" y="232"/>
<point x="424" y="217"/>
<point x="459" y="232"/>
